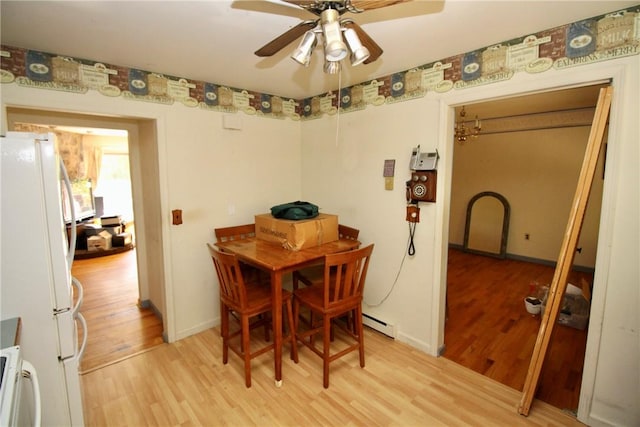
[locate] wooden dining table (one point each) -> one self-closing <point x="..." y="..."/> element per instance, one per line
<point x="276" y="260"/>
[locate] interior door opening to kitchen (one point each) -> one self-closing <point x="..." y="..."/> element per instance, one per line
<point x="124" y="297"/>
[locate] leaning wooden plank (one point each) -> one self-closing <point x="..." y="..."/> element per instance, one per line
<point x="567" y="250"/>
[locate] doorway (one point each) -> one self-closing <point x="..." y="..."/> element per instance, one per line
<point x="143" y="165"/>
<point x="527" y="151"/>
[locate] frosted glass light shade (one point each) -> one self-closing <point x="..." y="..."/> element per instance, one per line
<point x="359" y="53"/>
<point x="302" y="54"/>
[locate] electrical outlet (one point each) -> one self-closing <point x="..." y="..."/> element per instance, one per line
<point x="526" y="236"/>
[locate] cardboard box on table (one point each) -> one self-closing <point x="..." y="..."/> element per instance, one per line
<point x="297" y="234"/>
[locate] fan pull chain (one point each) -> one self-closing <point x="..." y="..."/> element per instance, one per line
<point x="339" y="103"/>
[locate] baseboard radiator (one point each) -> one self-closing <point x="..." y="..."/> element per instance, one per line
<point x="383" y="327"/>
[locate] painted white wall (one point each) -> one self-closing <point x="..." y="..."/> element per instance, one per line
<point x="210" y="172"/>
<point x="216" y="176"/>
<point x="345" y="177"/>
<point x="219" y="177"/>
<point x="537" y="172"/>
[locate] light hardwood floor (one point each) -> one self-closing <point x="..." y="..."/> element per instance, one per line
<point x="118" y="327"/>
<point x="185" y="383"/>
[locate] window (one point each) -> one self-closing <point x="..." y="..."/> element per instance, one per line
<point x="114" y="185"/>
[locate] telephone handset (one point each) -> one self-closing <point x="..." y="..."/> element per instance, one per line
<point x="414" y="157"/>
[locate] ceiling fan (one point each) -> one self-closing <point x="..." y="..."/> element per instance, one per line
<point x="331" y="27"/>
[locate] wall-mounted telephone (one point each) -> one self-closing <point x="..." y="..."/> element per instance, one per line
<point x="423" y="161"/>
<point x="422" y="186"/>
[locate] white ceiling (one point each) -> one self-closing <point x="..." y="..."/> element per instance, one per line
<point x="214" y="41"/>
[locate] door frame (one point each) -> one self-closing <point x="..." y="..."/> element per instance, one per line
<point x="615" y="74"/>
<point x="142" y="144"/>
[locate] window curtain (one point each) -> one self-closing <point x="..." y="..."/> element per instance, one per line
<point x="93" y="156"/>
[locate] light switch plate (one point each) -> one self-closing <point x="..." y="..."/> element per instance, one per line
<point x="177" y="216"/>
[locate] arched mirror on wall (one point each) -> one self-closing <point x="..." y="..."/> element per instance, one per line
<point x="487" y="225"/>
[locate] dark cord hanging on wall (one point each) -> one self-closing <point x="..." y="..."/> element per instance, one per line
<point x="412" y="230"/>
<point x="413" y="217"/>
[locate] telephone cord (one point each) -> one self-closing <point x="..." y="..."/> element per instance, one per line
<point x="412" y="230"/>
<point x="395" y="281"/>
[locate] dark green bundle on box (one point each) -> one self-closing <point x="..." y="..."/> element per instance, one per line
<point x="295" y="210"/>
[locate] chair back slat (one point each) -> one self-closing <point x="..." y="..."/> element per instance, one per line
<point x="349" y="233"/>
<point x="237" y="232"/>
<point x="232" y="287"/>
<point x="345" y="274"/>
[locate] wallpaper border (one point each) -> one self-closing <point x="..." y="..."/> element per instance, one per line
<point x="601" y="38"/>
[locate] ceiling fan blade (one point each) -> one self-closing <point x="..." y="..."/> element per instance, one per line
<point x="301" y="3"/>
<point x="358" y="4"/>
<point x="374" y="50"/>
<point x="284" y="39"/>
<point x="374" y="4"/>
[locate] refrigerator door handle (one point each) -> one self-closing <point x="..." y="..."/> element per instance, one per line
<point x="75" y="282"/>
<point x="72" y="240"/>
<point x="29" y="372"/>
<point x="80" y="352"/>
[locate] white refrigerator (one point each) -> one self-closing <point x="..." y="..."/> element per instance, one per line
<point x="35" y="271"/>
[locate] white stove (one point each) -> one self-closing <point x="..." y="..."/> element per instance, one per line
<point x="18" y="405"/>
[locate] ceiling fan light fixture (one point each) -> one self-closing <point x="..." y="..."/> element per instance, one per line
<point x="332" y="67"/>
<point x="302" y="54"/>
<point x="359" y="53"/>
<point x="329" y="25"/>
<point x="334" y="47"/>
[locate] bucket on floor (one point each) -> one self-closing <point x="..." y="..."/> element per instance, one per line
<point x="533" y="305"/>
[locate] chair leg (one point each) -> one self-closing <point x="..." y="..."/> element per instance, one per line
<point x="358" y="326"/>
<point x="351" y="324"/>
<point x="326" y="349"/>
<point x="224" y="331"/>
<point x="263" y="317"/>
<point x="332" y="335"/>
<point x="246" y="350"/>
<point x="296" y="313"/>
<point x="312" y="338"/>
<point x="292" y="331"/>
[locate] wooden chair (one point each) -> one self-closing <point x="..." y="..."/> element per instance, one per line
<point x="314" y="273"/>
<point x="341" y="292"/>
<point x="239" y="232"/>
<point x="235" y="233"/>
<point x="248" y="300"/>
